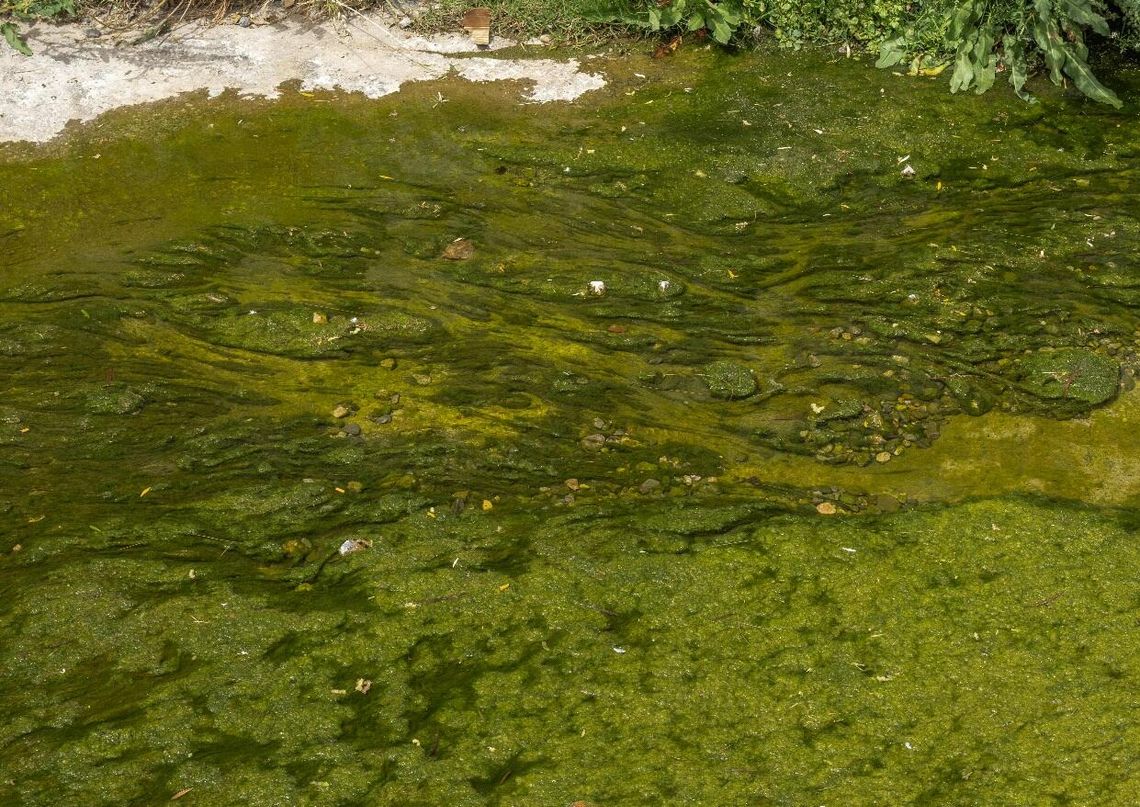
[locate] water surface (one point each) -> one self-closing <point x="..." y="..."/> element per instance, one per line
<point x="829" y="498"/>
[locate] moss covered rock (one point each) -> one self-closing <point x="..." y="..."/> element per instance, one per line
<point x="727" y="379"/>
<point x="1080" y="375"/>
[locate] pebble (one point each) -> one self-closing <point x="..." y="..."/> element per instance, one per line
<point x="572" y="484"/>
<point x="422" y="380"/>
<point x="341" y="411"/>
<point x="319" y="318"/>
<point x="826" y="509"/>
<point x="405" y="22"/>
<point x="382" y="419"/>
<point x="245" y="21"/>
<point x="648" y="486"/>
<point x="883" y="456"/>
<point x="594" y="442"/>
<point x="885" y="503"/>
<point x="460" y="249"/>
<point x="388" y="363"/>
<point x="352" y="429"/>
<point x="93" y="33"/>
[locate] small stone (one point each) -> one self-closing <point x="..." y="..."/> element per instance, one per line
<point x="422" y="379"/>
<point x="93" y="33"/>
<point x="600" y="424"/>
<point x="319" y="318"/>
<point x="354" y="486"/>
<point x="648" y="486"/>
<point x="341" y="411"/>
<point x="616" y="329"/>
<point x="572" y="484"/>
<point x="826" y="509"/>
<point x="245" y="21"/>
<point x="598" y="287"/>
<point x="354" y="545"/>
<point x="460" y="249"/>
<point x="352" y="429"/>
<point x="594" y="442"/>
<point x="382" y="420"/>
<point x="405" y="22"/>
<point x="727" y="379"/>
<point x="883" y="456"/>
<point x="546" y="39"/>
<point x="885" y="503"/>
<point x="388" y="363"/>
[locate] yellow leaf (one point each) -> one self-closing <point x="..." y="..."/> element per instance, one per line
<point x="487" y="504"/>
<point x="504" y="587"/>
<point x="145" y="492"/>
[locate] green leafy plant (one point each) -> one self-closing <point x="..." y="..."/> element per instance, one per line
<point x="720" y="19"/>
<point x="1053" y="30"/>
<point x="30" y="10"/>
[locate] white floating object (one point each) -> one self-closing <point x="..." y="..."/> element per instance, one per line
<point x="597" y="287"/>
<point x="663" y="286"/>
<point x="354" y="545"/>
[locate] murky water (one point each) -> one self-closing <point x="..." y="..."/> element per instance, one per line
<point x="828" y="498"/>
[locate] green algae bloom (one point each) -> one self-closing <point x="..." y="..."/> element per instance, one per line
<point x="829" y="499"/>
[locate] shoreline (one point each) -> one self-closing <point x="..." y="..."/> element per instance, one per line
<point x="74" y="77"/>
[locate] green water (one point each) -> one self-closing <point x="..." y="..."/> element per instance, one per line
<point x="829" y="499"/>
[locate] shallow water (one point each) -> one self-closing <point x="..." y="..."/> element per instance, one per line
<point x="829" y="498"/>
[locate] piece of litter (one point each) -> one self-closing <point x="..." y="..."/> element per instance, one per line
<point x="848" y="549"/>
<point x="354" y="545"/>
<point x="619" y="650"/>
<point x="597" y="287"/>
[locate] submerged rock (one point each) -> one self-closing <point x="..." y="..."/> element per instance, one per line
<point x="727" y="379"/>
<point x="1073" y="373"/>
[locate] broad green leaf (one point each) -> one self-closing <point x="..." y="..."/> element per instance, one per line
<point x="891" y="51"/>
<point x="696" y="22"/>
<point x="1076" y="40"/>
<point x="13" y="38"/>
<point x="1018" y="70"/>
<point x="721" y="31"/>
<point x="1079" y="71"/>
<point x="963" y="69"/>
<point x="1048" y="38"/>
<point x="985" y="65"/>
<point x="1080" y="11"/>
<point x="669" y="17"/>
<point x="731" y="13"/>
<point x="962" y="22"/>
<point x="654" y="19"/>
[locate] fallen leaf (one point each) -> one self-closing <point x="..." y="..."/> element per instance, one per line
<point x="145" y="492"/>
<point x="181" y="793"/>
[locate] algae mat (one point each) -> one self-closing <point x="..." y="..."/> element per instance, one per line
<point x="671" y="448"/>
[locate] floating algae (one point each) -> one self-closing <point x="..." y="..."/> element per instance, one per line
<point x="829" y="498"/>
